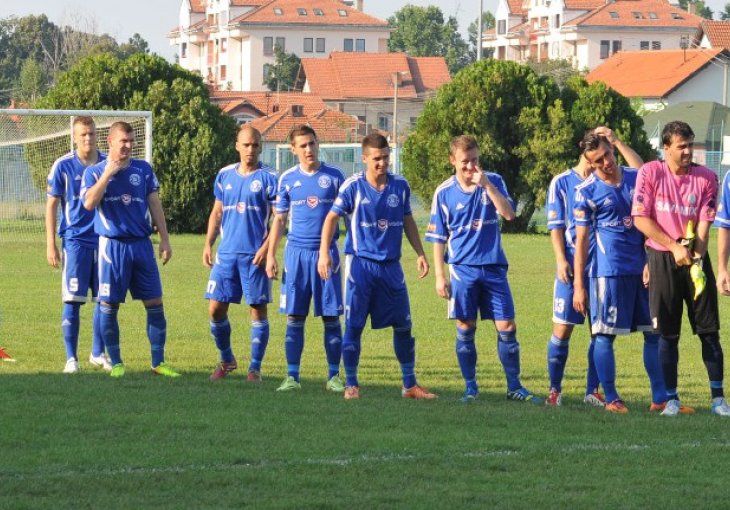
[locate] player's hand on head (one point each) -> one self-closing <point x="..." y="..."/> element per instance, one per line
<point x="606" y="133"/>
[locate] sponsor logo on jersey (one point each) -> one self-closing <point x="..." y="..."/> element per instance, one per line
<point x="255" y="186"/>
<point x="296" y="184"/>
<point x="684" y="210"/>
<point x="607" y="202"/>
<point x="365" y="201"/>
<point x="324" y="182"/>
<point x="628" y="221"/>
<point x="459" y="206"/>
<point x="228" y="187"/>
<point x="135" y="180"/>
<point x="78" y="178"/>
<point x="126" y="199"/>
<point x="241" y="207"/>
<point x="312" y="202"/>
<point x="383" y="225"/>
<point x="393" y="200"/>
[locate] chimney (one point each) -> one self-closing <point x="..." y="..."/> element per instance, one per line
<point x="358" y="5"/>
<point x="692" y="7"/>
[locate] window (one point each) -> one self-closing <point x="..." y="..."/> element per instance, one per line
<point x="502" y="26"/>
<point x="616" y="46"/>
<point x="280" y="43"/>
<point x="676" y="15"/>
<point x="318" y="12"/>
<point x="644" y="45"/>
<point x="184" y="50"/>
<point x="224" y="45"/>
<point x="652" y="15"/>
<point x="360" y="45"/>
<point x="412" y="121"/>
<point x="223" y="73"/>
<point x="302" y="11"/>
<point x="637" y="15"/>
<point x="320" y="44"/>
<point x="613" y="14"/>
<point x="348" y="45"/>
<point x="604" y="48"/>
<point x="342" y="12"/>
<point x="656" y="45"/>
<point x="278" y="11"/>
<point x="268" y="46"/>
<point x="267" y="71"/>
<point x="308" y="45"/>
<point x="557" y="21"/>
<point x="383" y="123"/>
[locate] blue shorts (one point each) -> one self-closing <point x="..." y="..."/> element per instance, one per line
<point x="563" y="311"/>
<point x="127" y="264"/>
<point x="80" y="272"/>
<point x="234" y="276"/>
<point x="377" y="289"/>
<point x="301" y="284"/>
<point x="482" y="289"/>
<point x="619" y="305"/>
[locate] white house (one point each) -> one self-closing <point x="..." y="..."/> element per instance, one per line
<point x="586" y="32"/>
<point x="231" y="42"/>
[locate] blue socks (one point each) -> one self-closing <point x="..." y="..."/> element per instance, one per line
<point x="97" y="340"/>
<point x="109" y="326"/>
<point x="294" y="345"/>
<point x="405" y="350"/>
<point x="157" y="333"/>
<point x="259" y="341"/>
<point x="221" y="333"/>
<point x="509" y="354"/>
<point x="333" y="346"/>
<point x="351" y="354"/>
<point x="70" y="328"/>
<point x="466" y="354"/>
<point x="557" y="357"/>
<point x="592" y="380"/>
<point x="606" y="365"/>
<point x="654" y="368"/>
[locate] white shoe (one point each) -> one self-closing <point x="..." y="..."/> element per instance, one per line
<point x="100" y="361"/>
<point x="72" y="366"/>
<point x="672" y="408"/>
<point x="720" y="407"/>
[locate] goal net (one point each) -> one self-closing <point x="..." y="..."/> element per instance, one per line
<point x="30" y="141"/>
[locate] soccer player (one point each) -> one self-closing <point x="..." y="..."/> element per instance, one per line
<point x="124" y="193"/>
<point x="561" y="224"/>
<point x="305" y="195"/>
<point x="244" y="193"/>
<point x="79" y="242"/>
<point x="670" y="194"/>
<point x="377" y="204"/>
<point x="619" y="302"/>
<point x="464" y="230"/>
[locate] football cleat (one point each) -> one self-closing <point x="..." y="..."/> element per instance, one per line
<point x="117" y="370"/>
<point x="418" y="392"/>
<point x="335" y="384"/>
<point x="617" y="406"/>
<point x="72" y="366"/>
<point x="254" y="376"/>
<point x="100" y="361"/>
<point x="223" y="369"/>
<point x="163" y="369"/>
<point x="4" y="356"/>
<point x="469" y="397"/>
<point x="720" y="407"/>
<point x="352" y="392"/>
<point x="524" y="395"/>
<point x="289" y="384"/>
<point x="595" y="399"/>
<point x="657" y="408"/>
<point x="554" y="399"/>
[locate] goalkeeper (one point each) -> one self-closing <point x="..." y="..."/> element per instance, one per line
<point x="669" y="195"/>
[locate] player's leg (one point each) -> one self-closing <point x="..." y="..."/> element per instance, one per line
<point x="98" y="356"/>
<point x="358" y="288"/>
<point x="564" y="319"/>
<point x="257" y="291"/>
<point x="463" y="308"/>
<point x="73" y="281"/>
<point x="224" y="287"/>
<point x="115" y="269"/>
<point x="327" y="300"/>
<point x="466" y="355"/>
<point x="296" y="290"/>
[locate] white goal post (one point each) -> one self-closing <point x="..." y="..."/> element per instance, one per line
<point x="30" y="141"/>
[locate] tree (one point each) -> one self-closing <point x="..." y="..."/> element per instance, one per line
<point x="488" y="22"/>
<point x="725" y="13"/>
<point x="135" y="44"/>
<point x="422" y="32"/>
<point x="560" y="70"/>
<point x="32" y="81"/>
<point x="283" y="74"/>
<point x="192" y="137"/>
<point x="527" y="127"/>
<point x="701" y="9"/>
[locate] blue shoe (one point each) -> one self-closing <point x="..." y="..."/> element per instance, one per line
<point x="469" y="397"/>
<point x="524" y="395"/>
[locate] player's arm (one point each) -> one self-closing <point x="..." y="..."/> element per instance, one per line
<point x="723" y="251"/>
<point x="580" y="294"/>
<point x="702" y="238"/>
<point x="158" y="220"/>
<point x="324" y="262"/>
<point x="562" y="266"/>
<point x="632" y="158"/>
<point x="653" y="231"/>
<point x="277" y="231"/>
<point x="52" y="255"/>
<point x="411" y="230"/>
<point x="95" y="193"/>
<point x="214" y="225"/>
<point x="501" y="203"/>
<point x="443" y="288"/>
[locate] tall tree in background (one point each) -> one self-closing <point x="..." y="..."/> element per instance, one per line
<point x="725" y="13"/>
<point x="283" y="73"/>
<point x="701" y="8"/>
<point x="488" y="23"/>
<point x="423" y="32"/>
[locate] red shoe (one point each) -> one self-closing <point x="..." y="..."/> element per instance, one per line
<point x="4" y="356"/>
<point x="617" y="406"/>
<point x="352" y="392"/>
<point x="418" y="392"/>
<point x="223" y="369"/>
<point x="254" y="376"/>
<point x="554" y="399"/>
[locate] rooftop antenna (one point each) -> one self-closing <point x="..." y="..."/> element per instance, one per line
<point x="684" y="43"/>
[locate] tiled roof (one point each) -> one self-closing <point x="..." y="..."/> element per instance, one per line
<point x="637" y="13"/>
<point x="330" y="126"/>
<point x="652" y="73"/>
<point x="583" y="5"/>
<point x="370" y="75"/>
<point x="717" y="32"/>
<point x="266" y="102"/>
<point x="517" y="7"/>
<point x="331" y="14"/>
<point x="197" y="5"/>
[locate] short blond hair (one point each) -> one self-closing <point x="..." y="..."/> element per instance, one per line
<point x="464" y="143"/>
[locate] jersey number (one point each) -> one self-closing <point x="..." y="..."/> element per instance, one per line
<point x="559" y="305"/>
<point x="612" y="313"/>
<point x="104" y="289"/>
<point x="211" y="286"/>
<point x="73" y="284"/>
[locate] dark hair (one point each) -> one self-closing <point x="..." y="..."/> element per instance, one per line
<point x="374" y="141"/>
<point x="84" y="120"/>
<point x="463" y="142"/>
<point x="120" y="125"/>
<point x="301" y="130"/>
<point x="248" y="127"/>
<point x="678" y="128"/>
<point x="591" y="141"/>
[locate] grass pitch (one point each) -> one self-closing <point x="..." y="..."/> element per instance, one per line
<point x="87" y="441"/>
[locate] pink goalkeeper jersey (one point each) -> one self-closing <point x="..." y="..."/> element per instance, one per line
<point x="673" y="200"/>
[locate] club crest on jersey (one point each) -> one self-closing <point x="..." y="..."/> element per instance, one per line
<point x="324" y="182"/>
<point x="241" y="207"/>
<point x="135" y="180"/>
<point x="628" y="221"/>
<point x="126" y="199"/>
<point x="393" y="200"/>
<point x="383" y="225"/>
<point x="692" y="199"/>
<point x="312" y="202"/>
<point x="255" y="186"/>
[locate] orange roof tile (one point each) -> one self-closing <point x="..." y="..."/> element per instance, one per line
<point x="652" y="73"/>
<point x="266" y="102"/>
<point x="330" y="125"/>
<point x="517" y="7"/>
<point x="637" y="13"/>
<point x="197" y="5"/>
<point x="583" y="5"/>
<point x="717" y="32"/>
<point x="347" y="75"/>
<point x="290" y="14"/>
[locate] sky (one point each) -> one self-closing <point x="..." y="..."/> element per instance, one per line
<point x="152" y="19"/>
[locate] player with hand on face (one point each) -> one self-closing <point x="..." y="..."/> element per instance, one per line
<point x="377" y="205"/>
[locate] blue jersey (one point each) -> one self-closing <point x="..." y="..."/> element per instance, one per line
<point x="607" y="210"/>
<point x="308" y="198"/>
<point x="467" y="222"/>
<point x="722" y="219"/>
<point x="64" y="182"/>
<point x="247" y="202"/>
<point x="560" y="204"/>
<point x="375" y="217"/>
<point x="123" y="212"/>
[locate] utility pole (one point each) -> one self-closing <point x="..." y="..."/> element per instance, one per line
<point x="479" y="30"/>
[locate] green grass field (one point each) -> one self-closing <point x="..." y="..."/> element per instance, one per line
<point x="87" y="441"/>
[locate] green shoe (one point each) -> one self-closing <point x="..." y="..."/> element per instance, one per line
<point x="117" y="370"/>
<point x="335" y="384"/>
<point x="289" y="384"/>
<point x="163" y="369"/>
